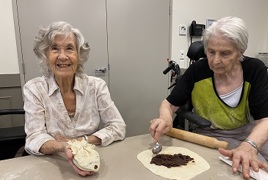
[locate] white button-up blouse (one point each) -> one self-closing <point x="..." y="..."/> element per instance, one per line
<point x="46" y="115"/>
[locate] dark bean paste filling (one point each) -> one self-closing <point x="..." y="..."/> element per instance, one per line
<point x="171" y="160"/>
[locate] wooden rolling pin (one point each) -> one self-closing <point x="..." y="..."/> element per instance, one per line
<point x="197" y="138"/>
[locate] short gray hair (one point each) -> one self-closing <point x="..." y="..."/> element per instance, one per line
<point x="45" y="38"/>
<point x="230" y="27"/>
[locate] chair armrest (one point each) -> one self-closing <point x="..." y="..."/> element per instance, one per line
<point x="193" y="117"/>
<point x="11" y="111"/>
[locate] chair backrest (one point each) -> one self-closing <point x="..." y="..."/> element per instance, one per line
<point x="196" y="51"/>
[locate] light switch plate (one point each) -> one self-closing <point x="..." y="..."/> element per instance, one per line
<point x="182" y="30"/>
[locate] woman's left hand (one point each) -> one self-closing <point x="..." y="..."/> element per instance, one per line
<point x="245" y="155"/>
<point x="60" y="138"/>
<point x="69" y="156"/>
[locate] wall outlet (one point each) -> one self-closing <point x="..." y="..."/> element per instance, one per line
<point x="182" y="30"/>
<point x="181" y="63"/>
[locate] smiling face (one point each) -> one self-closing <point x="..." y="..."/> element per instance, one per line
<point x="222" y="54"/>
<point x="62" y="57"/>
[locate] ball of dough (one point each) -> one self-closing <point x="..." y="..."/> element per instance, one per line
<point x="85" y="156"/>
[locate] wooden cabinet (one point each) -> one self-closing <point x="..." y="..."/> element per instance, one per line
<point x="11" y="97"/>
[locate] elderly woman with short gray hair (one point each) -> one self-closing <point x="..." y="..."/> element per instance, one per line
<point x="230" y="90"/>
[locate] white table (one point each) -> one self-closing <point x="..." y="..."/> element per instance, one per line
<point x="118" y="162"/>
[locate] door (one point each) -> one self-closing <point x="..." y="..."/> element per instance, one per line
<point x="138" y="36"/>
<point x="89" y="16"/>
<point x="132" y="36"/>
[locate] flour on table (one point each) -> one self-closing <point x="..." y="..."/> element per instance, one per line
<point x="187" y="172"/>
<point x="85" y="156"/>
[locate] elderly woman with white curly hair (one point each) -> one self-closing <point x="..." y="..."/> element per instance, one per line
<point x="65" y="103"/>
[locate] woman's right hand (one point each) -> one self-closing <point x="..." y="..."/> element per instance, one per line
<point x="69" y="157"/>
<point x="164" y="123"/>
<point x="159" y="127"/>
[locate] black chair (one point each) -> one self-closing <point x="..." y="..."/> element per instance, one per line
<point x="11" y="138"/>
<point x="185" y="113"/>
<point x="196" y="51"/>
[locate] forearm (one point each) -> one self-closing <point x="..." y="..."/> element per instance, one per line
<point x="108" y="134"/>
<point x="246" y="153"/>
<point x="166" y="111"/>
<point x="163" y="124"/>
<point x="259" y="134"/>
<point x="93" y="140"/>
<point x="52" y="146"/>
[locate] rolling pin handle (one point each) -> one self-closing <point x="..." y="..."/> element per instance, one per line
<point x="197" y="138"/>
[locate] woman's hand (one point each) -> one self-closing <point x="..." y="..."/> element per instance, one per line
<point x="69" y="157"/>
<point x="245" y="155"/>
<point x="164" y="123"/>
<point x="159" y="127"/>
<point x="60" y="138"/>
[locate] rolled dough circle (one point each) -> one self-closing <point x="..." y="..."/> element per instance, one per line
<point x="189" y="171"/>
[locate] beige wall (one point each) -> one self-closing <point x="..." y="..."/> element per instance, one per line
<point x="183" y="12"/>
<point x="8" y="48"/>
<point x="254" y="13"/>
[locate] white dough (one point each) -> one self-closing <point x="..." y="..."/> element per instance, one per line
<point x="85" y="156"/>
<point x="189" y="171"/>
